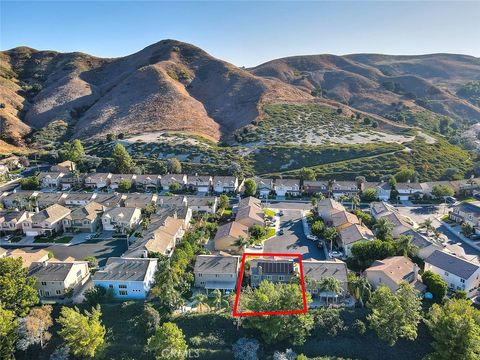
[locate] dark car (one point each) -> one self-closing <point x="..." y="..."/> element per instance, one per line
<point x="281" y="232"/>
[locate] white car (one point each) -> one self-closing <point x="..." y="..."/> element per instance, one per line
<point x="312" y="237"/>
<point x="258" y="246"/>
<point x="335" y="254"/>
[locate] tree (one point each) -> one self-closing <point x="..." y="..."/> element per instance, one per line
<point x="441" y="191"/>
<point x="61" y="353"/>
<point x="250" y="187"/>
<point x="73" y="151"/>
<point x="330" y="235"/>
<point x="30" y="183"/>
<point x="452" y="173"/>
<point x="308" y="174"/>
<point x="435" y="285"/>
<point x="366" y="218"/>
<point x="455" y="328"/>
<point x="405" y="175"/>
<point x="317" y="227"/>
<point x="8" y="333"/>
<point x="123" y="162"/>
<point x="467" y="229"/>
<point x="17" y="291"/>
<point x="174" y="166"/>
<point x="174" y="186"/>
<point x="92" y="262"/>
<point x="360" y="288"/>
<point x="365" y="253"/>
<point x="201" y="300"/>
<point x="241" y="243"/>
<point x="124" y="185"/>
<point x="164" y="289"/>
<point x="223" y="201"/>
<point x="271" y="297"/>
<point x="83" y="334"/>
<point x="427" y="225"/>
<point x="168" y="343"/>
<point x="257" y="231"/>
<point x="245" y="349"/>
<point x="369" y="195"/>
<point x="383" y="229"/>
<point x="395" y="316"/>
<point x="404" y="246"/>
<point x="34" y="327"/>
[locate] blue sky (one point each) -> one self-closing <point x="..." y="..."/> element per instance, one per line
<point x="245" y="32"/>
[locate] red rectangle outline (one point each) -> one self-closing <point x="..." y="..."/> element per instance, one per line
<point x="260" y="313"/>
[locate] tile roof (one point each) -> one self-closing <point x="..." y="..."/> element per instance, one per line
<point x="52" y="270"/>
<point x="318" y="270"/>
<point x="233" y="229"/>
<point x="397" y="268"/>
<point x="216" y="264"/>
<point x="124" y="269"/>
<point x="355" y="232"/>
<point x="51" y="214"/>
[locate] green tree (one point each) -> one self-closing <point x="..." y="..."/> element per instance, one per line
<point x="440" y="191"/>
<point x="174" y="166"/>
<point x="330" y="284"/>
<point x="383" y="229"/>
<point x="168" y="343"/>
<point x="317" y="227"/>
<point x="123" y="162"/>
<point x="174" y="186"/>
<point x="467" y="229"/>
<point x="241" y="243"/>
<point x="360" y="288"/>
<point x="250" y="187"/>
<point x="369" y="195"/>
<point x="330" y="235"/>
<point x="404" y="246"/>
<point x="223" y="201"/>
<point x="124" y="185"/>
<point x="73" y="151"/>
<point x="365" y="253"/>
<point x="17" y="290"/>
<point x="308" y="174"/>
<point x="219" y="301"/>
<point x="405" y="175"/>
<point x="84" y="333"/>
<point x="8" y="333"/>
<point x="435" y="285"/>
<point x="30" y="183"/>
<point x="395" y="316"/>
<point x="164" y="288"/>
<point x="271" y="297"/>
<point x="455" y="328"/>
<point x="257" y="231"/>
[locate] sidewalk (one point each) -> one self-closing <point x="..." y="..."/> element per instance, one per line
<point x="457" y="233"/>
<point x="307" y="231"/>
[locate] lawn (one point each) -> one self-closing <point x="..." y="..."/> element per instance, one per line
<point x="269" y="212"/>
<point x="59" y="240"/>
<point x="270" y="232"/>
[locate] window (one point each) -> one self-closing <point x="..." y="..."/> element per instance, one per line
<point x="110" y="286"/>
<point x="44" y="283"/>
<point x="123" y="292"/>
<point x="281" y="278"/>
<point x="269" y="277"/>
<point x="58" y="292"/>
<point x="462" y="281"/>
<point x="122" y="286"/>
<point x="446" y="273"/>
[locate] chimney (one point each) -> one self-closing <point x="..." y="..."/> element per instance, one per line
<point x="415" y="272"/>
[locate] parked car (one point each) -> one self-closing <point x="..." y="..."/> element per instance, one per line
<point x="280" y="213"/>
<point x="281" y="232"/>
<point x="335" y="254"/>
<point x="312" y="237"/>
<point x="320" y="244"/>
<point x="450" y="200"/>
<point x="258" y="246"/>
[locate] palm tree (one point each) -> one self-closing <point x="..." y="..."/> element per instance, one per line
<point x="361" y="290"/>
<point x="219" y="301"/>
<point x="201" y="300"/>
<point x="427" y="225"/>
<point x="355" y="200"/>
<point x="404" y="245"/>
<point x="383" y="228"/>
<point x="331" y="285"/>
<point x="342" y="198"/>
<point x="241" y="243"/>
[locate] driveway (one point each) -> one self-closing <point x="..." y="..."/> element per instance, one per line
<point x="293" y="241"/>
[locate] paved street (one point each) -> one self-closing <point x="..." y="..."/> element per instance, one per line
<point x="293" y="240"/>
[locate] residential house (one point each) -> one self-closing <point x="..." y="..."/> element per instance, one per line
<point x="249" y="201"/>
<point x="4" y="171"/>
<point x="11" y="221"/>
<point x="382" y="188"/>
<point x="199" y="183"/>
<point x="71" y="180"/>
<point x="97" y="180"/>
<point x="56" y="279"/>
<point x="216" y="272"/>
<point x="341" y="219"/>
<point x="140" y="201"/>
<point x="65" y="167"/>
<point x="169" y="179"/>
<point x="381" y="207"/>
<point x="312" y="187"/>
<point x="84" y="219"/>
<point x="127" y="278"/>
<point x="271" y="269"/>
<point x="147" y="182"/>
<point x="46" y="222"/>
<point x="284" y="187"/>
<point x="108" y="200"/>
<point x="50" y="179"/>
<point x="344" y="188"/>
<point x="225" y="184"/>
<point x="409" y="190"/>
<point x="327" y="208"/>
<point x="204" y="204"/>
<point x="28" y="257"/>
<point x="116" y="179"/>
<point x="171" y="201"/>
<point x="264" y="187"/>
<point x="427" y="187"/>
<point x="19" y="199"/>
<point x="468" y="212"/>
<point x="392" y="271"/>
<point x="250" y="216"/>
<point x="46" y="199"/>
<point x="352" y="234"/>
<point x="458" y="273"/>
<point x="227" y="234"/>
<point x="424" y="247"/>
<point x="399" y="223"/>
<point x="465" y="186"/>
<point x="78" y="199"/>
<point x="316" y="271"/>
<point x="121" y="219"/>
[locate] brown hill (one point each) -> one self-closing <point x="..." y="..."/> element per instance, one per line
<point x="167" y="86"/>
